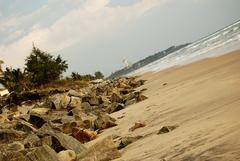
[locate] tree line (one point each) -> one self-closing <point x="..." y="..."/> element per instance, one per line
<point x="40" y="68"/>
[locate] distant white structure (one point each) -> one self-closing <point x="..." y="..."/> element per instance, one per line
<point x="126" y="63"/>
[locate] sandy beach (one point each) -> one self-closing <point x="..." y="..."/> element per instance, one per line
<point x="202" y="99"/>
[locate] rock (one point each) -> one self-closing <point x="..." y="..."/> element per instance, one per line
<point x="130" y="102"/>
<point x="4" y="92"/>
<point x="94" y="101"/>
<point x="62" y="142"/>
<point x="67" y="155"/>
<point x="24" y="109"/>
<point x="135" y="84"/>
<point x="137" y="125"/>
<point x="75" y="102"/>
<point x="83" y="135"/>
<point x="114" y="107"/>
<point x="74" y="93"/>
<point x="40" y="111"/>
<point x="43" y="153"/>
<point x="105" y="101"/>
<point x="141" y="98"/>
<point x="125" y="141"/>
<point x="85" y="106"/>
<point x="18" y="98"/>
<point x="60" y="101"/>
<point x="125" y="91"/>
<point x="47" y="140"/>
<point x="91" y="99"/>
<point x="32" y="141"/>
<point x="15" y="146"/>
<point x="116" y="98"/>
<point x="68" y="127"/>
<point x="130" y="96"/>
<point x="4" y="118"/>
<point x="9" y="136"/>
<point x="25" y="126"/>
<point x="103" y="150"/>
<point x="142" y="90"/>
<point x="97" y="81"/>
<point x="56" y="120"/>
<point x="37" y="120"/>
<point x="87" y="119"/>
<point x="104" y="121"/>
<point x="12" y="156"/>
<point x="167" y="129"/>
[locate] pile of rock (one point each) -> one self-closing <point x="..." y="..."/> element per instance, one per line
<point x="54" y="124"/>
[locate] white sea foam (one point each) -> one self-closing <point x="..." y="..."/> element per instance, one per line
<point x="216" y="44"/>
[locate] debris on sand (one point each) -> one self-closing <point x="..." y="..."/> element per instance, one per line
<point x="167" y="129"/>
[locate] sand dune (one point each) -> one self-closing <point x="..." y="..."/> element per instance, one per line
<point x="202" y="98"/>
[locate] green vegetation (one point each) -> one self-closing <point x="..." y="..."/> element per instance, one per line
<point x="87" y="77"/>
<point x="14" y="80"/>
<point x="98" y="75"/>
<point x="42" y="70"/>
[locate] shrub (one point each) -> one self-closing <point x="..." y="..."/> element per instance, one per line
<point x="98" y="75"/>
<point x="14" y="80"/>
<point x="42" y="68"/>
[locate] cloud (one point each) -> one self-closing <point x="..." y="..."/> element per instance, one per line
<point x="82" y="20"/>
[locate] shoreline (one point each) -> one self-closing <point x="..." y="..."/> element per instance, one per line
<point x="201" y="98"/>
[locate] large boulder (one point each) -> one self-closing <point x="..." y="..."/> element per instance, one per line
<point x="114" y="107"/>
<point x="9" y="136"/>
<point x="83" y="135"/>
<point x="43" y="153"/>
<point x="62" y="142"/>
<point x="103" y="150"/>
<point x="67" y="155"/>
<point x="104" y="121"/>
<point x="75" y="102"/>
<point x="91" y="99"/>
<point x="116" y="97"/>
<point x="75" y="93"/>
<point x="60" y="101"/>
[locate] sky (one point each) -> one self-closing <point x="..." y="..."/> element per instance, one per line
<point x="97" y="35"/>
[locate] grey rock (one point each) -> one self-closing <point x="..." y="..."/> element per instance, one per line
<point x="67" y="155"/>
<point x="104" y="150"/>
<point x="125" y="141"/>
<point x="167" y="129"/>
<point x="62" y="141"/>
<point x="43" y="153"/>
<point x="15" y="146"/>
<point x="60" y="101"/>
<point x="104" y="121"/>
<point x="130" y="102"/>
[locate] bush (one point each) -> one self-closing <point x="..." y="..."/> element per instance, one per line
<point x="14" y="80"/>
<point x="87" y="77"/>
<point x="98" y="75"/>
<point x="76" y="76"/>
<point x="43" y="68"/>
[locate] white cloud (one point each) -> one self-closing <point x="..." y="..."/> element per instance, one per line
<point x="82" y="20"/>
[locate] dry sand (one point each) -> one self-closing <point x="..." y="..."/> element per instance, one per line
<point x="203" y="98"/>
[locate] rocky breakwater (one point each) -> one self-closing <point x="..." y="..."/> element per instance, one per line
<point x="54" y="125"/>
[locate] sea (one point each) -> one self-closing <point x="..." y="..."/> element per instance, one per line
<point x="221" y="42"/>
